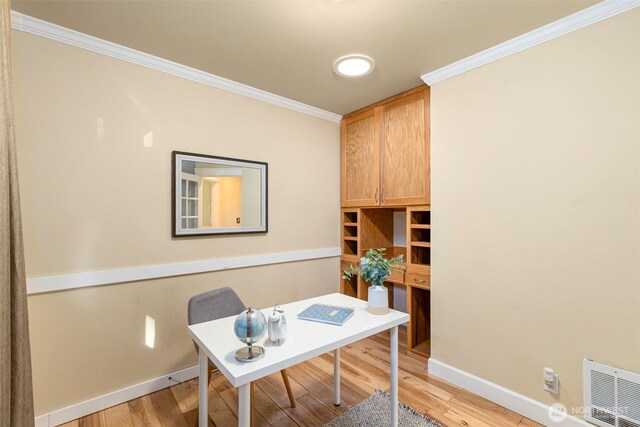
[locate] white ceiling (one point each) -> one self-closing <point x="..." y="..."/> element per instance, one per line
<point x="288" y="47"/>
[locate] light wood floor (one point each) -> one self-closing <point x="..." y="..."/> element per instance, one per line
<point x="364" y="366"/>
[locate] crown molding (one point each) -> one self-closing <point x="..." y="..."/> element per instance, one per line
<point x="581" y="19"/>
<point x="29" y="24"/>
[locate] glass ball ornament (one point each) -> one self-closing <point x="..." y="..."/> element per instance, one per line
<point x="250" y="326"/>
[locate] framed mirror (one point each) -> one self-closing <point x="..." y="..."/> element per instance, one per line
<point x="217" y="195"/>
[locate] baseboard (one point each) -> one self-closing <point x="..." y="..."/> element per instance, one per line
<point x="81" y="409"/>
<point x="42" y="421"/>
<point x="516" y="402"/>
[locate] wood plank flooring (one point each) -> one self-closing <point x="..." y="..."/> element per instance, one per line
<point x="364" y="366"/>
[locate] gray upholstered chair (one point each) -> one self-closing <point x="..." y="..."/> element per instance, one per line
<point x="216" y="304"/>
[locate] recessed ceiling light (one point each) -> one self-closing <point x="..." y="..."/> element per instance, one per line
<point x="353" y="66"/>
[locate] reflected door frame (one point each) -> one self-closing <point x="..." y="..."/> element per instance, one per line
<point x="198" y="180"/>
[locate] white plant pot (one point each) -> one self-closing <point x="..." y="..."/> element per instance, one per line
<point x="378" y="300"/>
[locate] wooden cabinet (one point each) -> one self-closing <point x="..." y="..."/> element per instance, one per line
<point x="405" y="151"/>
<point x="360" y="151"/>
<point x="385" y="152"/>
<point x="385" y="179"/>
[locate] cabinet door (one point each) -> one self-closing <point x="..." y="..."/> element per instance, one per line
<point x="405" y="151"/>
<point x="360" y="159"/>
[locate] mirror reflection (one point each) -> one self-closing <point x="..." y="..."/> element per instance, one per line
<point x="217" y="195"/>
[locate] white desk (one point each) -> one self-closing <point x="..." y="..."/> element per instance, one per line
<point x="305" y="340"/>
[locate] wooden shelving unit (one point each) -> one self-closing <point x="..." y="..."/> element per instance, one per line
<point x="373" y="228"/>
<point x="384" y="175"/>
<point x="418" y="279"/>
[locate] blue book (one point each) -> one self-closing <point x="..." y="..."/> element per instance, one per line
<point x="332" y="314"/>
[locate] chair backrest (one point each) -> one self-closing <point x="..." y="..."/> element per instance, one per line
<point x="214" y="305"/>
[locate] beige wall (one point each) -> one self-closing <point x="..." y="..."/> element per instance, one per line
<point x="96" y="202"/>
<point x="536" y="211"/>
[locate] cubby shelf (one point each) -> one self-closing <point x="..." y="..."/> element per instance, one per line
<point x="419" y="235"/>
<point x="419" y="329"/>
<point x="350" y="233"/>
<point x="348" y="286"/>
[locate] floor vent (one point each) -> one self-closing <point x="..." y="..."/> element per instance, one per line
<point x="611" y="395"/>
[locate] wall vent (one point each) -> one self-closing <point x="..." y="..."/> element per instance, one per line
<point x="611" y="395"/>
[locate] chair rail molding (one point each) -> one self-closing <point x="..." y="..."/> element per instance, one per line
<point x="591" y="15"/>
<point x="29" y="24"/>
<point x="36" y="285"/>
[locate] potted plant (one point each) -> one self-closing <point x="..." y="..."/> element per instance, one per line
<point x="374" y="268"/>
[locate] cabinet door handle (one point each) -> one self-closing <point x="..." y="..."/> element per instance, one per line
<point x="376" y="196"/>
<point x="382" y="195"/>
<point x="415" y="279"/>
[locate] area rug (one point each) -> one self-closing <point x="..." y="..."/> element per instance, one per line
<point x="375" y="411"/>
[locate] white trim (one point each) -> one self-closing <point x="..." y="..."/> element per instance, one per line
<point x="42" y="421"/>
<point x="37" y="285"/>
<point x="82" y="409"/>
<point x="516" y="402"/>
<point x="22" y="22"/>
<point x="583" y="18"/>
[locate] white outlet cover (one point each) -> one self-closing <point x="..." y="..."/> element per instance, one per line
<point x="556" y="385"/>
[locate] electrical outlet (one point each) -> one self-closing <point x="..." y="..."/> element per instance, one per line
<point x="551" y="382"/>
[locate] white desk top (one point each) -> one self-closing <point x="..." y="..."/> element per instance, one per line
<point x="305" y="339"/>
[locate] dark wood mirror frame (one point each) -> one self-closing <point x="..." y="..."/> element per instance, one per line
<point x="198" y="180"/>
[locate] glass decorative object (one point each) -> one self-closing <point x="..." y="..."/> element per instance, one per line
<point x="250" y="326"/>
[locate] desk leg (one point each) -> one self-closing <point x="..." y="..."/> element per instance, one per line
<point x="244" y="405"/>
<point x="336" y="377"/>
<point x="394" y="376"/>
<point x="203" y="386"/>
